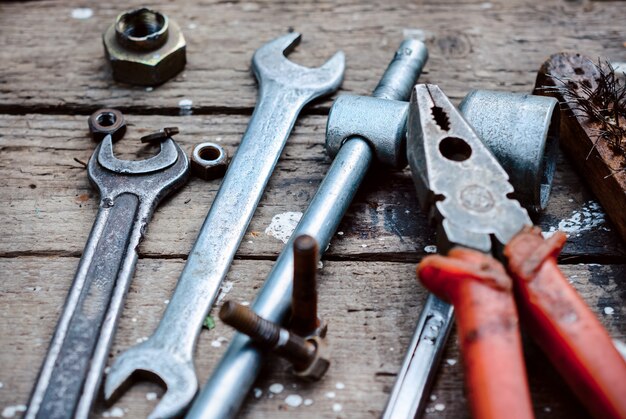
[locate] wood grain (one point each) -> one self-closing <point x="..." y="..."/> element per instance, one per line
<point x="371" y="309"/>
<point x="53" y="74"/>
<point x="60" y="66"/>
<point x="51" y="206"/>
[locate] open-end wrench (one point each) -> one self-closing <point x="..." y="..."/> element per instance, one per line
<point x="227" y="388"/>
<point x="129" y="193"/>
<point x="284" y="89"/>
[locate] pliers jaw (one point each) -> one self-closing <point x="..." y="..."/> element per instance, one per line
<point x="459" y="182"/>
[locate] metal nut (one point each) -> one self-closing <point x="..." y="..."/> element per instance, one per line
<point x="144" y="47"/>
<point x="107" y="121"/>
<point x="320" y="364"/>
<point x="209" y="161"/>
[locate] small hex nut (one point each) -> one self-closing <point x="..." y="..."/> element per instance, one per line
<point x="320" y="363"/>
<point x="107" y="121"/>
<point x="144" y="47"/>
<point x="209" y="161"/>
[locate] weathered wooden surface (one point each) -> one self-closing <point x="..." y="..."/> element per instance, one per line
<point x="53" y="74"/>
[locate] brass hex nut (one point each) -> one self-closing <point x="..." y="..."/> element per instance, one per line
<point x="209" y="161"/>
<point x="144" y="47"/>
<point x="320" y="364"/>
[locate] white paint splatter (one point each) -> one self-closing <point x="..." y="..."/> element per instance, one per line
<point x="440" y="407"/>
<point x="431" y="248"/>
<point x="185" y="106"/>
<point x="107" y="370"/>
<point x="294" y="400"/>
<point x="151" y="396"/>
<point x="609" y="310"/>
<point x="245" y="303"/>
<point x="149" y="89"/>
<point x="330" y="394"/>
<point x="486" y="6"/>
<point x="192" y="26"/>
<point x="134" y="320"/>
<point x="308" y="402"/>
<point x="340" y="233"/>
<point x="1" y="385"/>
<point x="418" y="34"/>
<point x="257" y="393"/>
<point x="340" y="386"/>
<point x="143" y="339"/>
<point x="116" y="412"/>
<point x="276" y="388"/>
<point x="218" y="342"/>
<point x="282" y="225"/>
<point x="451" y="361"/>
<point x="547" y="409"/>
<point x="82" y="13"/>
<point x="320" y="264"/>
<point x="588" y="218"/>
<point x="224" y="290"/>
<point x="363" y="245"/>
<point x="433" y="398"/>
<point x="166" y="301"/>
<point x="10" y="411"/>
<point x="337" y="407"/>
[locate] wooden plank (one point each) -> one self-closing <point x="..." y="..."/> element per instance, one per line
<point x="60" y="66"/>
<point x="604" y="166"/>
<point x="371" y="309"/>
<point x="50" y="206"/>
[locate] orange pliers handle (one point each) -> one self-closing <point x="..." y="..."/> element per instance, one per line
<point x="555" y="316"/>
<point x="487" y="323"/>
<point x="564" y="327"/>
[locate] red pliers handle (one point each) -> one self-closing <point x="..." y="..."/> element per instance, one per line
<point x="484" y="296"/>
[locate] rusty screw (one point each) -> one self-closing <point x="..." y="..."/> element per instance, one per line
<point x="304" y="319"/>
<point x="160" y="135"/>
<point x="306" y="355"/>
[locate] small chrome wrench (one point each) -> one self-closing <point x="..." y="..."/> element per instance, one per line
<point x="129" y="192"/>
<point x="284" y="89"/>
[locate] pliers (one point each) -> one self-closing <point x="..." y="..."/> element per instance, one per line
<point x="497" y="263"/>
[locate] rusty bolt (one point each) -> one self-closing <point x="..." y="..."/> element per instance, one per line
<point x="160" y="135"/>
<point x="107" y="121"/>
<point x="304" y="319"/>
<point x="209" y="161"/>
<point x="144" y="47"/>
<point x="308" y="356"/>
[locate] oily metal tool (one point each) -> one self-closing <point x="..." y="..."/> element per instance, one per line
<point x="522" y="132"/>
<point x="496" y="253"/>
<point x="129" y="193"/>
<point x="284" y="89"/>
<point x="232" y="378"/>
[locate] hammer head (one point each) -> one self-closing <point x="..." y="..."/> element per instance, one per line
<point x="271" y="66"/>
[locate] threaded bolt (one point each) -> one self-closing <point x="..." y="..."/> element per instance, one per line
<point x="268" y="335"/>
<point x="304" y="320"/>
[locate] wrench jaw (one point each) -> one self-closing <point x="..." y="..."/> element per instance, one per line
<point x="270" y="65"/>
<point x="178" y="375"/>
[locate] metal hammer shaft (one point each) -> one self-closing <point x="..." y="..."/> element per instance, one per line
<point x="227" y="388"/>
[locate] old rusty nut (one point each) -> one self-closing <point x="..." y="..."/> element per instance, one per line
<point x="209" y="161"/>
<point x="320" y="364"/>
<point x="144" y="47"/>
<point x="107" y="121"/>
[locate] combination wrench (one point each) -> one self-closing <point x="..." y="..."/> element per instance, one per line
<point x="284" y="89"/>
<point x="129" y="193"/>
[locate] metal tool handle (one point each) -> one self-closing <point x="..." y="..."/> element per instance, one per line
<point x="226" y="389"/>
<point x="564" y="327"/>
<point x="488" y="327"/>
<point x="228" y="218"/>
<point x="108" y="255"/>
<point x="417" y="373"/>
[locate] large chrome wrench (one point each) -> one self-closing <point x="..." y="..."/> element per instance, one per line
<point x="284" y="89"/>
<point x="129" y="192"/>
